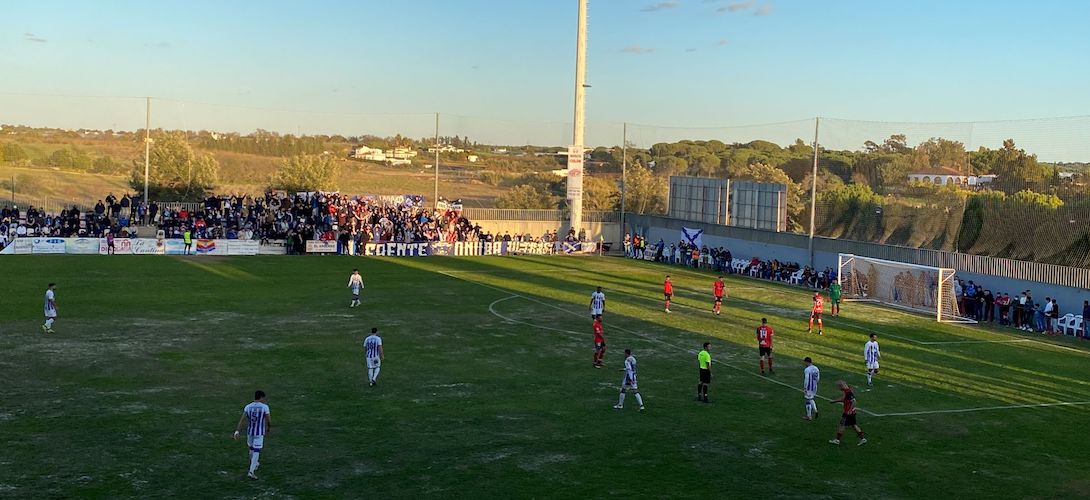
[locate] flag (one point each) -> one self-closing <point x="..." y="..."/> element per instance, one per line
<point x="692" y="236"/>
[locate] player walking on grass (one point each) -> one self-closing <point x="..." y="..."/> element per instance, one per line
<point x="764" y="345"/>
<point x="629" y="381"/>
<point x="815" y="313"/>
<point x="835" y="290"/>
<point x="704" y="362"/>
<point x="810" y="377"/>
<point x="255" y="419"/>
<point x="668" y="291"/>
<point x="597" y="304"/>
<point x="871" y="354"/>
<point x="599" y="343"/>
<point x="355" y="282"/>
<point x="719" y="291"/>
<point x="372" y="347"/>
<point x="50" y="308"/>
<point x="848" y="418"/>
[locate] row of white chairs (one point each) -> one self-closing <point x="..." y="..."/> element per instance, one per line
<point x="1070" y="324"/>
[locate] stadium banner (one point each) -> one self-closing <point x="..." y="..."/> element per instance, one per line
<point x="121" y="246"/>
<point x="209" y="247"/>
<point x="144" y="246"/>
<point x="23" y="246"/>
<point x="242" y="247"/>
<point x="173" y="247"/>
<point x="46" y="245"/>
<point x="397" y="249"/>
<point x="272" y="248"/>
<point x="694" y="237"/>
<point x="321" y="246"/>
<point x="81" y="246"/>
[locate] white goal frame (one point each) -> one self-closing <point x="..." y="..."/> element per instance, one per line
<point x="855" y="288"/>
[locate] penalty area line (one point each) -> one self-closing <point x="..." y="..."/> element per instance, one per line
<point x="983" y="408"/>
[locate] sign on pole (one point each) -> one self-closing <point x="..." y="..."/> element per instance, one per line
<point x="575" y="174"/>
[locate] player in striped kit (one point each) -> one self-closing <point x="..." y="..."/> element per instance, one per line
<point x="255" y="418"/>
<point x="597" y="304"/>
<point x="355" y="282"/>
<point x="810" y="377"/>
<point x="629" y="381"/>
<point x="50" y="308"/>
<point x="871" y="354"/>
<point x="372" y="346"/>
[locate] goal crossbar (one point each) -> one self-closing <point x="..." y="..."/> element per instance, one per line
<point x="912" y="287"/>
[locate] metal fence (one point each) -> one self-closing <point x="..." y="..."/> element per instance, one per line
<point x="514" y="214"/>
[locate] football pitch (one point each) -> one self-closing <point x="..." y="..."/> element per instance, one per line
<point x="487" y="389"/>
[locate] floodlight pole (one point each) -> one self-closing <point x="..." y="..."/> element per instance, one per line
<point x="624" y="174"/>
<point x="147" y="146"/>
<point x="435" y="200"/>
<point x="813" y="192"/>
<point x="575" y="182"/>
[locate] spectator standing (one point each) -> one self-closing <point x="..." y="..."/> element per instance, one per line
<point x="1085" y="319"/>
<point x="989" y="306"/>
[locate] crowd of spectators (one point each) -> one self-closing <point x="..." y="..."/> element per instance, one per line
<point x="974" y="301"/>
<point x="111" y="215"/>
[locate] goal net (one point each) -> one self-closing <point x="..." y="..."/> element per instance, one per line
<point x="924" y="289"/>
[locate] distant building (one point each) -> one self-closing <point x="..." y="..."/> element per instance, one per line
<point x="472" y="158"/>
<point x="368" y="154"/>
<point x="396" y="156"/>
<point x="945" y="176"/>
<point x="446" y="148"/>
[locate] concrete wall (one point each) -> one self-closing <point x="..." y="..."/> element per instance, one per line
<point x="793" y="248"/>
<point x="595" y="230"/>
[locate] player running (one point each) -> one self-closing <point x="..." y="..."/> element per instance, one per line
<point x="50" y="308"/>
<point x="719" y="291"/>
<point x="834" y="298"/>
<point x="815" y="313"/>
<point x="704" y="361"/>
<point x="255" y="416"/>
<point x="629" y="381"/>
<point x="764" y="345"/>
<point x="848" y="418"/>
<point x="599" y="343"/>
<point x="871" y="354"/>
<point x="810" y="377"/>
<point x="355" y="282"/>
<point x="668" y="291"/>
<point x="597" y="304"/>
<point x="372" y="346"/>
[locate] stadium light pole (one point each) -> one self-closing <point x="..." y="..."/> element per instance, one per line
<point x="435" y="200"/>
<point x="813" y="191"/>
<point x="575" y="175"/>
<point x="147" y="145"/>
<point x="624" y="175"/>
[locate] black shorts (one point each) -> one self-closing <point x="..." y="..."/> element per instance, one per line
<point x="599" y="346"/>
<point x="815" y="316"/>
<point x="705" y="376"/>
<point x="668" y="295"/>
<point x="718" y="300"/>
<point x="847" y="420"/>
<point x="764" y="351"/>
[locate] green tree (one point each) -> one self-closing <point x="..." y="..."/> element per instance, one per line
<point x="526" y="196"/>
<point x="176" y="172"/>
<point x="941" y="153"/>
<point x="600" y="194"/>
<point x="1015" y="170"/>
<point x="645" y="192"/>
<point x="306" y="173"/>
<point x="13" y="153"/>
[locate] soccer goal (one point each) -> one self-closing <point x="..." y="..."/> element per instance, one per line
<point x="924" y="289"/>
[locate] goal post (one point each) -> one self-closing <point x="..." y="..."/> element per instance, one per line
<point x="924" y="289"/>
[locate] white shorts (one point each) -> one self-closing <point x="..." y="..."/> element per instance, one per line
<point x="355" y="290"/>
<point x="596" y="312"/>
<point x="809" y="395"/>
<point x="872" y="366"/>
<point x="629" y="384"/>
<point x="255" y="442"/>
<point x="373" y="362"/>
<point x="51" y="313"/>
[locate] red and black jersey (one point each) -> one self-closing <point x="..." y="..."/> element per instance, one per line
<point x="849" y="401"/>
<point x="764" y="336"/>
<point x="598" y="338"/>
<point x="718" y="288"/>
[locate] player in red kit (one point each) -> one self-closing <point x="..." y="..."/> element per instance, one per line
<point x="848" y="418"/>
<point x="815" y="313"/>
<point x="599" y="343"/>
<point x="719" y="290"/>
<point x="764" y="345"/>
<point x="668" y="291"/>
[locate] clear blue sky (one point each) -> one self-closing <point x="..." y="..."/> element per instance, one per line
<point x="686" y="63"/>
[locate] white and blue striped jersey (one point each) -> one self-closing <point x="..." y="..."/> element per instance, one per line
<point x="49" y="298"/>
<point x="597" y="301"/>
<point x="371" y="345"/>
<point x="810" y="377"/>
<point x="355" y="281"/>
<point x="257" y="414"/>
<point x="871" y="352"/>
<point x="629" y="371"/>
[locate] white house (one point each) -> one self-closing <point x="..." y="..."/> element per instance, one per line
<point x="401" y="153"/>
<point x="948" y="176"/>
<point x="472" y="158"/>
<point x="446" y="148"/>
<point x="368" y="154"/>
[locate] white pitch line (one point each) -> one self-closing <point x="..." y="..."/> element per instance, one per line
<point x="638" y="334"/>
<point x="986" y="408"/>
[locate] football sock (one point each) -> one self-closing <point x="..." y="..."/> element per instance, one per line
<point x="810" y="325"/>
<point x="49" y="323"/>
<point x="813" y="405"/>
<point x="762" y="365"/>
<point x="705" y="390"/>
<point x="620" y="402"/>
<point x="770" y="364"/>
<point x="253" y="461"/>
<point x="375" y="376"/>
<point x="839" y="435"/>
<point x="639" y="400"/>
<point x="809" y="410"/>
<point x="869" y="377"/>
<point x="860" y="434"/>
<point x="699" y="389"/>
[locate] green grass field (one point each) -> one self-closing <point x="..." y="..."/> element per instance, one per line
<point x="488" y="391"/>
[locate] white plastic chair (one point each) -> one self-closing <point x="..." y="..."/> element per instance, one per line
<point x="796" y="278"/>
<point x="754" y="271"/>
<point x="1063" y="323"/>
<point x="1077" y="325"/>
